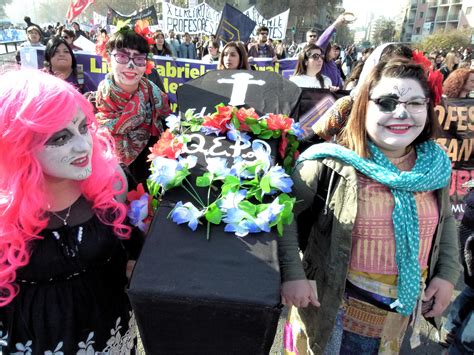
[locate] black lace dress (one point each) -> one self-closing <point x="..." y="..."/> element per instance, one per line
<point x="72" y="293"/>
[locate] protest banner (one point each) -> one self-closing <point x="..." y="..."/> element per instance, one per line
<point x="456" y="118"/>
<point x="148" y="14"/>
<point x="12" y="35"/>
<point x="198" y="19"/>
<point x="276" y="25"/>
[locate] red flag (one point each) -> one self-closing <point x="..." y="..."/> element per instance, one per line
<point x="76" y="7"/>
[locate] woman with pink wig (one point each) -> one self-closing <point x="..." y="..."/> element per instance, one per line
<point x="64" y="242"/>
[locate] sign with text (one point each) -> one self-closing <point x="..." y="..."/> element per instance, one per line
<point x="456" y="119"/>
<point x="198" y="19"/>
<point x="276" y="25"/>
<point x="148" y="14"/>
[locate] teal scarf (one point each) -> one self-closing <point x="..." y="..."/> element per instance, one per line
<point x="432" y="171"/>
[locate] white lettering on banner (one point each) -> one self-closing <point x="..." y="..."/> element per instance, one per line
<point x="239" y="90"/>
<point x="197" y="145"/>
<point x="276" y="25"/>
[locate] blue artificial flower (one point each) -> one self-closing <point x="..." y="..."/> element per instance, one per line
<point x="138" y="211"/>
<point x="269" y="215"/>
<point x="189" y="162"/>
<point x="173" y="122"/>
<point x="297" y="130"/>
<point x="280" y="179"/>
<point x="231" y="200"/>
<point x="233" y="134"/>
<point x="218" y="167"/>
<point x="240" y="223"/>
<point x="163" y="171"/>
<point x="210" y="130"/>
<point x="263" y="154"/>
<point x="239" y="169"/>
<point x="186" y="213"/>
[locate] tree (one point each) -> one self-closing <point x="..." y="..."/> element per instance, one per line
<point x="384" y="31"/>
<point x="3" y="3"/>
<point x="445" y="40"/>
<point x="344" y="36"/>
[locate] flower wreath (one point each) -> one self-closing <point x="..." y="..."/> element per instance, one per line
<point x="244" y="187"/>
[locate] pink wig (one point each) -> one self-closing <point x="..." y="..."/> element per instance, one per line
<point x="33" y="106"/>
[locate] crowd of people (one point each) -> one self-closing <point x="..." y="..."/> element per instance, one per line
<point x="374" y="226"/>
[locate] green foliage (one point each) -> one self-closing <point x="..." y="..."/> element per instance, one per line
<point x="384" y="31"/>
<point x="445" y="40"/>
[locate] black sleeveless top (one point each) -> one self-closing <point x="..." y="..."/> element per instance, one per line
<point x="72" y="294"/>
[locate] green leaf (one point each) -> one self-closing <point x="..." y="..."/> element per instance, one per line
<point x="266" y="134"/>
<point x="189" y="114"/>
<point x="248" y="207"/>
<point x="265" y="184"/>
<point x="205" y="180"/>
<point x="280" y="228"/>
<point x="250" y="120"/>
<point x="213" y="214"/>
<point x="235" y="121"/>
<point x="277" y="133"/>
<point x="255" y="127"/>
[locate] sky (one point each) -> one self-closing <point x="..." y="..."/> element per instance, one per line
<point x="362" y="9"/>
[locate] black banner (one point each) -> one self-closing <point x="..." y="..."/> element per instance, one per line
<point x="148" y="14"/>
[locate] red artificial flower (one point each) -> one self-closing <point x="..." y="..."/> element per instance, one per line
<point x="435" y="81"/>
<point x="141" y="28"/>
<point x="242" y="114"/>
<point x="420" y="58"/>
<point x="136" y="194"/>
<point x="219" y="120"/>
<point x="149" y="67"/>
<point x="280" y="121"/>
<point x="168" y="146"/>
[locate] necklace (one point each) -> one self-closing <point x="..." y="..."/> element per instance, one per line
<point x="65" y="217"/>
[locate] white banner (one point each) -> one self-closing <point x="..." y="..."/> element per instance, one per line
<point x="99" y="19"/>
<point x="198" y="19"/>
<point x="276" y="25"/>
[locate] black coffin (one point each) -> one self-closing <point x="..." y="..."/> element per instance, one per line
<point x="193" y="296"/>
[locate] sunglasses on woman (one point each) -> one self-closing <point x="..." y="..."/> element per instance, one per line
<point x="389" y="104"/>
<point x="124" y="58"/>
<point x="315" y="56"/>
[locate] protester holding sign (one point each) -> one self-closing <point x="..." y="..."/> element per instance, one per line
<point x="373" y="236"/>
<point x="308" y="70"/>
<point x="34" y="36"/>
<point x="262" y="49"/>
<point x="59" y="60"/>
<point x="62" y="224"/>
<point x="233" y="56"/>
<point x="129" y="105"/>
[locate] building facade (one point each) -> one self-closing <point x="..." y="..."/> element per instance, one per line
<point x="424" y="17"/>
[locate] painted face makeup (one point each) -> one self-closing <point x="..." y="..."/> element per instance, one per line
<point x="128" y="75"/>
<point x="67" y="154"/>
<point x="396" y="114"/>
<point x="231" y="58"/>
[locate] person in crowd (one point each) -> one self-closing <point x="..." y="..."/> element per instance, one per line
<point x="129" y="105"/>
<point x="59" y="60"/>
<point x="161" y="47"/>
<point x="450" y="64"/>
<point x="373" y="237"/>
<point x="213" y="52"/>
<point x="65" y="242"/>
<point x="261" y="49"/>
<point x="205" y="49"/>
<point x="187" y="48"/>
<point x="69" y="37"/>
<point x="233" y="56"/>
<point x="330" y="68"/>
<point x="199" y="43"/>
<point x="308" y="69"/>
<point x="174" y="44"/>
<point x="439" y="60"/>
<point x="77" y="31"/>
<point x="460" y="322"/>
<point x="34" y="35"/>
<point x="459" y="84"/>
<point x="334" y="119"/>
<point x="311" y="37"/>
<point x="102" y="40"/>
<point x="353" y="79"/>
<point x="280" y="50"/>
<point x="338" y="60"/>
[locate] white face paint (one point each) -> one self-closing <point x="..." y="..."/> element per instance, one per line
<point x="127" y="76"/>
<point x="68" y="153"/>
<point x="393" y="129"/>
